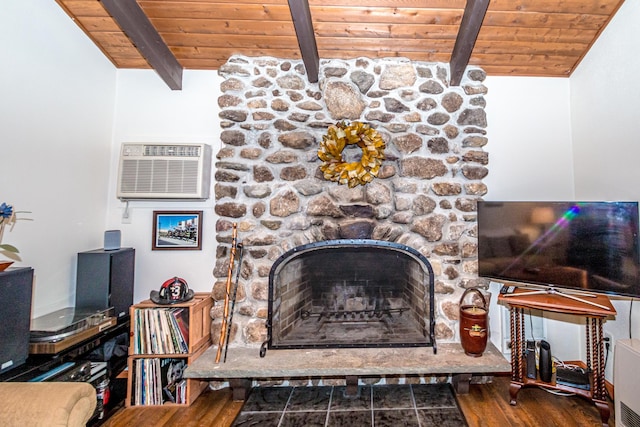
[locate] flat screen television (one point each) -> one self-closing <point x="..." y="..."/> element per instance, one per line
<point x="587" y="246"/>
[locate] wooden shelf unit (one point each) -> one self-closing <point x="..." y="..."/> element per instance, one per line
<point x="199" y="340"/>
<point x="595" y="363"/>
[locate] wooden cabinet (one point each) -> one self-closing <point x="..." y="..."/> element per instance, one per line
<point x="165" y="339"/>
<point x="595" y="310"/>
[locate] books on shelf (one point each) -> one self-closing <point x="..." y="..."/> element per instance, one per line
<point x="159" y="381"/>
<point x="161" y="331"/>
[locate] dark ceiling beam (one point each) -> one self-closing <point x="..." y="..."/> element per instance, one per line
<point x="301" y="15"/>
<point x="135" y="24"/>
<point x="472" y="19"/>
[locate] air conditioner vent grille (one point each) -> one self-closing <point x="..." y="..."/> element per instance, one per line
<point x="159" y="176"/>
<point x="628" y="416"/>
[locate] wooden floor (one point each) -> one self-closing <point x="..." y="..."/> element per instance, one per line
<point x="485" y="405"/>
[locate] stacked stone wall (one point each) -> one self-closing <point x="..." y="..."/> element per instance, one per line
<point x="268" y="179"/>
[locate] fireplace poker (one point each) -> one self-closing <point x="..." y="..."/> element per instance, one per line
<point x="223" y="326"/>
<point x="233" y="301"/>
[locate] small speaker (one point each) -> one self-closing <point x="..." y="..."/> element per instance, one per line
<point x="112" y="240"/>
<point x="545" y="362"/>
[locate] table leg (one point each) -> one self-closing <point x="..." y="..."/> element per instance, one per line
<point x="514" y="388"/>
<point x="605" y="411"/>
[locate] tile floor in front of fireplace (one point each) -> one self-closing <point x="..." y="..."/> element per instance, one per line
<point x="327" y="406"/>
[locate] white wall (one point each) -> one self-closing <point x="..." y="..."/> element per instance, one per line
<point x="605" y="112"/>
<point x="56" y="112"/>
<point x="148" y="111"/>
<point x="605" y="115"/>
<point x="529" y="135"/>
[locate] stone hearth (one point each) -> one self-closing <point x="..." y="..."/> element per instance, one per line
<point x="338" y="366"/>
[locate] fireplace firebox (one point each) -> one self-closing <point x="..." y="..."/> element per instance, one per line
<point x="350" y="293"/>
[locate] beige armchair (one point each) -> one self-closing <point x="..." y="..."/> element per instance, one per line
<point x="49" y="404"/>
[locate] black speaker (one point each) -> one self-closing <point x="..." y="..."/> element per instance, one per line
<point x="545" y="362"/>
<point x="105" y="279"/>
<point x="16" y="285"/>
<point x="530" y="353"/>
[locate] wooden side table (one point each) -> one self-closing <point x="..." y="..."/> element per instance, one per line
<point x="595" y="312"/>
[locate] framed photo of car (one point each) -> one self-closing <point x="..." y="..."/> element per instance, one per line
<point x="177" y="230"/>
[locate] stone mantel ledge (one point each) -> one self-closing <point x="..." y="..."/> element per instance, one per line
<point x="340" y="362"/>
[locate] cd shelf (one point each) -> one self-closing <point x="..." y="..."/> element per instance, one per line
<point x="165" y="340"/>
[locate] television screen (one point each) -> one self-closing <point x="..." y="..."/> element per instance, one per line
<point x="591" y="246"/>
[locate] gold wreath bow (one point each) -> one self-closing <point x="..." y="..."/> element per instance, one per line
<point x="355" y="173"/>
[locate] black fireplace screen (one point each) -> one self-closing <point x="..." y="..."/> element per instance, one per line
<point x="351" y="293"/>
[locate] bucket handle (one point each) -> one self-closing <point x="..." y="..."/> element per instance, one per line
<point x="468" y="290"/>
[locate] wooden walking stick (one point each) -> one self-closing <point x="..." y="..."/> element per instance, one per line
<point x="233" y="301"/>
<point x="223" y="327"/>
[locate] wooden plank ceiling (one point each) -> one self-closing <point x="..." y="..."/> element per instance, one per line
<point x="517" y="37"/>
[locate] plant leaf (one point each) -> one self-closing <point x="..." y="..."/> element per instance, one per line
<point x="9" y="248"/>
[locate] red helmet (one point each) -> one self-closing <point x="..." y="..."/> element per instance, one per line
<point x="172" y="291"/>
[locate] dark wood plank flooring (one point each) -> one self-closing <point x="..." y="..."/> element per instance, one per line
<point x="485" y="405"/>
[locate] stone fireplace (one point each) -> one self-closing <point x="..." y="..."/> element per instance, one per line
<point x="350" y="293"/>
<point x="267" y="180"/>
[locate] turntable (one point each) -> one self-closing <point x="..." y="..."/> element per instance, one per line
<point x="61" y="329"/>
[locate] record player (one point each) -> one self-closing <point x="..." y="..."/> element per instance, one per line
<point x="63" y="328"/>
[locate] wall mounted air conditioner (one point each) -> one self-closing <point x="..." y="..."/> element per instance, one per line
<point x="625" y="382"/>
<point x="164" y="171"/>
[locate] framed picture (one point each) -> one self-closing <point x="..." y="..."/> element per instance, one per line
<point x="177" y="230"/>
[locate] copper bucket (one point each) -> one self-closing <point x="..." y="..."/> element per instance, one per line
<point x="473" y="325"/>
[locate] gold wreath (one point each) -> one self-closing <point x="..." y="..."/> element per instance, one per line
<point x="354" y="173"/>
